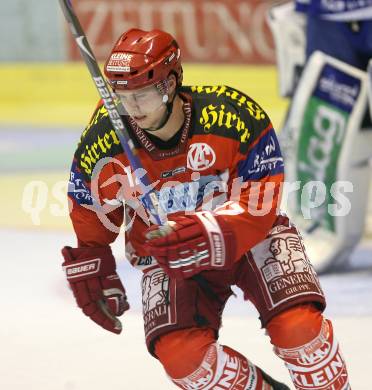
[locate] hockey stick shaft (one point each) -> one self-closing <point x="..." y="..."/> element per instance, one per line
<point x="113" y="108"/>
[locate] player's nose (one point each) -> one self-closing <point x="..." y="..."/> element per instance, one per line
<point x="131" y="105"/>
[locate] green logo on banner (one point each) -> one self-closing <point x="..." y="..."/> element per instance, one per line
<point x="319" y="147"/>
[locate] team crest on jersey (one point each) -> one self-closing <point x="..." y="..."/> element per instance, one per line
<point x="200" y="157"/>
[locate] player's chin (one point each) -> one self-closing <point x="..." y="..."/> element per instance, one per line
<point x="140" y="119"/>
<point x="148" y="124"/>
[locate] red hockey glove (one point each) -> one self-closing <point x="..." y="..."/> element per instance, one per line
<point x="97" y="288"/>
<point x="189" y="244"/>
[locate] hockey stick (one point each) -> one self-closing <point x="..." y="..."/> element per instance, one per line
<point x="112" y="106"/>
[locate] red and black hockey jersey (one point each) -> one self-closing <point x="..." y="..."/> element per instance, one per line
<point x="226" y="158"/>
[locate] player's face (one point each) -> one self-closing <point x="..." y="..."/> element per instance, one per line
<point x="144" y="105"/>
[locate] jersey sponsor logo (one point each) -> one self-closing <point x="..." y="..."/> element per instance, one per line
<point x="81" y="269"/>
<point x="208" y="192"/>
<point x="285" y="268"/>
<point x="187" y="196"/>
<point x="98" y="149"/>
<point x="154" y="288"/>
<point x="268" y="160"/>
<point x="157" y="292"/>
<point x="287" y="257"/>
<point x="76" y="187"/>
<point x="173" y="172"/>
<point x="265" y="165"/>
<point x="241" y="100"/>
<point x="100" y="113"/>
<point x="220" y="117"/>
<point x="200" y="157"/>
<point x="145" y="142"/>
<point x="264" y="159"/>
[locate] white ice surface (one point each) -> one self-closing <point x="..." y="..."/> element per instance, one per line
<point x="47" y="344"/>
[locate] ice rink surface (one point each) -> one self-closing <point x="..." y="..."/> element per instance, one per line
<point x="46" y="343"/>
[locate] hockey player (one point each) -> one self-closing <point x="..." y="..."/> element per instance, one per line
<point x="341" y="29"/>
<point x="326" y="136"/>
<point x="213" y="158"/>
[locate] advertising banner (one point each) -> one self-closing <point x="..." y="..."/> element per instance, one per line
<point x="219" y="31"/>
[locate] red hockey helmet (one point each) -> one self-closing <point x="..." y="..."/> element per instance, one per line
<point x="141" y="58"/>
